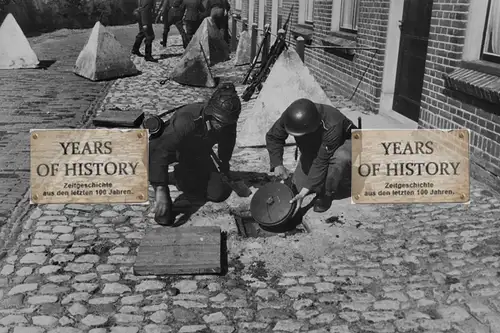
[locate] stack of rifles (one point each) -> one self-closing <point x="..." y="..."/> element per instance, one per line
<point x="261" y="75"/>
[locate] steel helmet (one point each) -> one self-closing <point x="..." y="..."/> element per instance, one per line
<point x="224" y="105"/>
<point x="301" y="117"/>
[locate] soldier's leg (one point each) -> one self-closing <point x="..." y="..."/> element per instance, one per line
<point x="338" y="177"/>
<point x="299" y="178"/>
<point x="190" y="30"/>
<point x="148" y="44"/>
<point x="166" y="30"/>
<point x="138" y="41"/>
<point x="217" y="189"/>
<point x="180" y="27"/>
<point x="226" y="29"/>
<point x="200" y="180"/>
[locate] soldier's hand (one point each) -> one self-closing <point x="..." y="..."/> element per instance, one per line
<point x="163" y="206"/>
<point x="298" y="199"/>
<point x="281" y="172"/>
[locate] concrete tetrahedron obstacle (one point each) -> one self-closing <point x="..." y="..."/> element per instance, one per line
<point x="288" y="81"/>
<point x="243" y="51"/>
<point x="15" y="49"/>
<point x="193" y="70"/>
<point x="103" y="57"/>
<point x="206" y="48"/>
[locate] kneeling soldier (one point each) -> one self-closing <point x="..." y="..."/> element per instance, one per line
<point x="188" y="138"/>
<point x="323" y="137"/>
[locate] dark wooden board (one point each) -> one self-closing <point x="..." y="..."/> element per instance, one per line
<point x="112" y="118"/>
<point x="179" y="251"/>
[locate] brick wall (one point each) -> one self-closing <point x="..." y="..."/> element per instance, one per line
<point x="439" y="110"/>
<point x="340" y="74"/>
<point x="267" y="15"/>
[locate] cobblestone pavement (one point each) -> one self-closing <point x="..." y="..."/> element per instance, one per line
<point x="37" y="98"/>
<point x="384" y="268"/>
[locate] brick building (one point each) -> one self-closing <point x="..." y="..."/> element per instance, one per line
<point x="435" y="63"/>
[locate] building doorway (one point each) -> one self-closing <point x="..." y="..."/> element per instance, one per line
<point x="406" y="50"/>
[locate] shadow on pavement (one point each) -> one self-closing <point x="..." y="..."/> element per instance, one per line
<point x="169" y="55"/>
<point x="251" y="178"/>
<point x="184" y="207"/>
<point x="45" y="64"/>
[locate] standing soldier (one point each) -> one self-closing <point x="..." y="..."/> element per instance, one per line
<point x="219" y="11"/>
<point x="145" y="17"/>
<point x="172" y="12"/>
<point x="188" y="138"/>
<point x="193" y="17"/>
<point x="323" y="136"/>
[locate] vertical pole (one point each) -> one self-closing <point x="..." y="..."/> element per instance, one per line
<point x="253" y="45"/>
<point x="234" y="40"/>
<point x="265" y="48"/>
<point x="244" y="25"/>
<point x="300" y="47"/>
<point x="274" y="20"/>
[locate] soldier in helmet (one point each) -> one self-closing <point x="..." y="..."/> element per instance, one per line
<point x="322" y="134"/>
<point x="188" y="138"/>
<point x="219" y="11"/>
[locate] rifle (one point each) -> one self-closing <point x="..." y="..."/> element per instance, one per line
<point x="239" y="187"/>
<point x="256" y="58"/>
<point x="159" y="14"/>
<point x="277" y="48"/>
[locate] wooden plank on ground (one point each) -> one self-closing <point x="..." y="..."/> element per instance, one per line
<point x="113" y="118"/>
<point x="179" y="251"/>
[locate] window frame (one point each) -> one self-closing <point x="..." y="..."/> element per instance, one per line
<point x="355" y="16"/>
<point x="485" y="56"/>
<point x="303" y="11"/>
<point x="238" y="4"/>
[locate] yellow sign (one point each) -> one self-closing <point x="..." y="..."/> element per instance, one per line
<point x="89" y="166"/>
<point x="410" y="166"/>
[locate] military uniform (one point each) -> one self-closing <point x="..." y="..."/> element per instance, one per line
<point x="325" y="155"/>
<point x="186" y="140"/>
<point x="217" y="9"/>
<point x="193" y="17"/>
<point x="173" y="12"/>
<point x="145" y="20"/>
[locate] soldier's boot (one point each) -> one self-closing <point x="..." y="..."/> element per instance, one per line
<point x="149" y="56"/>
<point x="184" y="41"/>
<point x="323" y="203"/>
<point x="135" y="48"/>
<point x="164" y="41"/>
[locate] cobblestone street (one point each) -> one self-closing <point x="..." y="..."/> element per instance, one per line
<point x="378" y="268"/>
<point x="37" y="98"/>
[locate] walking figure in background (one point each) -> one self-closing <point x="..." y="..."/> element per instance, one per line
<point x="171" y="13"/>
<point x="187" y="138"/>
<point x="323" y="137"/>
<point x="219" y="11"/>
<point x="145" y="17"/>
<point x="193" y="17"/>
